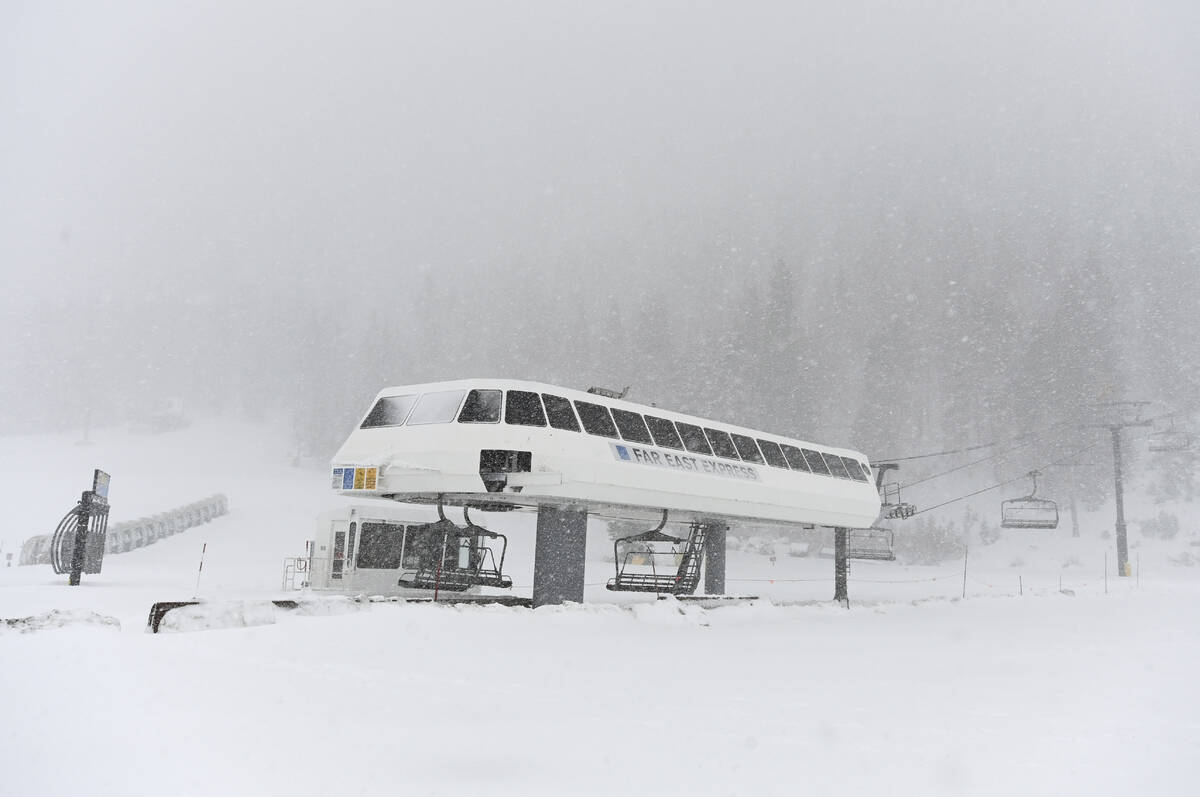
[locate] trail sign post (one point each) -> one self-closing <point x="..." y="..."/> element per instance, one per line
<point x="91" y="523"/>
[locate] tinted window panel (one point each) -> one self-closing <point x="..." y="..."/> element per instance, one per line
<point x="524" y="409"/>
<point x="693" y="438"/>
<point x="596" y="419"/>
<point x="721" y="444"/>
<point x="440" y="407"/>
<point x="795" y="458"/>
<point x="631" y="426"/>
<point x="866" y="469"/>
<point x="482" y="406"/>
<point x="664" y="432"/>
<point x="853" y="468"/>
<point x="815" y="462"/>
<point x="773" y="453"/>
<point x="423" y="547"/>
<point x="380" y="545"/>
<point x="560" y="412"/>
<point x="747" y="448"/>
<point x="836" y="466"/>
<point x="389" y="411"/>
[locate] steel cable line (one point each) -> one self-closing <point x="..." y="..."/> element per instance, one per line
<point x="969" y="448"/>
<point x="965" y="449"/>
<point x="1010" y="481"/>
<point x="999" y="453"/>
<point x="1025" y="440"/>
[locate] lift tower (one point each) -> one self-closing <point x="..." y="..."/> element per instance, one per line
<point x="1122" y="407"/>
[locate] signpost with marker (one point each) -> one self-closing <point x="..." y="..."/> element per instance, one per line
<point x="91" y="523"/>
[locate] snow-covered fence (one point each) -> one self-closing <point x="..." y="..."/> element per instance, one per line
<point x="133" y="534"/>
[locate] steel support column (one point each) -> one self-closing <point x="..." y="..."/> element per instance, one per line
<point x="1122" y="543"/>
<point x="841" y="567"/>
<point x="714" y="558"/>
<point x="558" y="556"/>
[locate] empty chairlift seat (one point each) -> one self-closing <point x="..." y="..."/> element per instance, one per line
<point x="453" y="558"/>
<point x="1168" y="438"/>
<point x="1030" y="511"/>
<point x="874" y="543"/>
<point x="647" y="566"/>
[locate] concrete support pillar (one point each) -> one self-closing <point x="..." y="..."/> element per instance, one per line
<point x="558" y="556"/>
<point x="714" y="558"/>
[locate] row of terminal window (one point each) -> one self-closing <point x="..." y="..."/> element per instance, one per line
<point x="526" y="408"/>
<point x="392" y="546"/>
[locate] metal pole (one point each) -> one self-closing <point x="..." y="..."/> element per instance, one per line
<point x="1106" y="572"/>
<point x="966" y="550"/>
<point x="437" y="581"/>
<point x="841" y="568"/>
<point x="81" y="531"/>
<point x="200" y="570"/>
<point x="1122" y="544"/>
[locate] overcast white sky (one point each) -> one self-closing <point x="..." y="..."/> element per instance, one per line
<point x="161" y="144"/>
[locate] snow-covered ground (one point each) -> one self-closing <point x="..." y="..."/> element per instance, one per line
<point x="911" y="691"/>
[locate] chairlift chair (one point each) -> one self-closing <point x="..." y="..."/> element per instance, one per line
<point x="891" y="506"/>
<point x="1030" y="511"/>
<point x="873" y="543"/>
<point x="463" y="560"/>
<point x="680" y="579"/>
<point x="1169" y="439"/>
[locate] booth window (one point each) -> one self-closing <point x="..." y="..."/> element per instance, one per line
<point x="836" y="466"/>
<point x="380" y="546"/>
<point x="795" y="458"/>
<point x="523" y="408"/>
<point x="664" y="432"/>
<point x="440" y="407"/>
<point x="854" y="469"/>
<point x="596" y="419"/>
<point x="389" y="411"/>
<point x="747" y="448"/>
<point x="816" y="462"/>
<point x="693" y="438"/>
<point x="773" y="453"/>
<point x="558" y="409"/>
<point x="631" y="426"/>
<point x="481" y="406"/>
<point x="721" y="443"/>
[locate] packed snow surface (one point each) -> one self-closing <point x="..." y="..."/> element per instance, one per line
<point x="1019" y="689"/>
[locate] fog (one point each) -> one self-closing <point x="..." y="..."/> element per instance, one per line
<point x="890" y="225"/>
